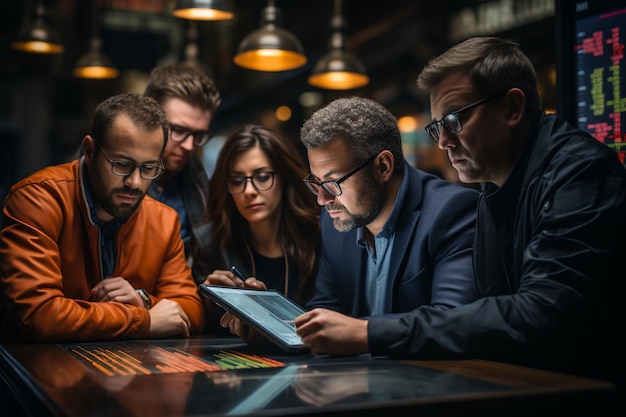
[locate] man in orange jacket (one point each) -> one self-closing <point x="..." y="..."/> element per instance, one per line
<point x="83" y="255"/>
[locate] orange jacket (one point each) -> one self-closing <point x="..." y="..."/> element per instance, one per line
<point x="50" y="260"/>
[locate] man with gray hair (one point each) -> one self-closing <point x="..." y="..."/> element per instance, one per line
<point x="394" y="238"/>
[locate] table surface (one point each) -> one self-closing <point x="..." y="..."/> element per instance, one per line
<point x="223" y="376"/>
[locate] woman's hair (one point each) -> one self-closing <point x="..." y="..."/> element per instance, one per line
<point x="299" y="228"/>
<point x="495" y="66"/>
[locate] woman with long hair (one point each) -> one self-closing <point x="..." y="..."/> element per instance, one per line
<point x="264" y="220"/>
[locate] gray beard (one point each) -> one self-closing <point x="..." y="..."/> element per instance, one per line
<point x="371" y="201"/>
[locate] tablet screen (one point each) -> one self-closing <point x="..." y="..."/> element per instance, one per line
<point x="269" y="312"/>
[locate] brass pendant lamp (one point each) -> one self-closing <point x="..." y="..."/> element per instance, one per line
<point x="94" y="64"/>
<point x="39" y="37"/>
<point x="203" y="10"/>
<point x="270" y="48"/>
<point x="338" y="69"/>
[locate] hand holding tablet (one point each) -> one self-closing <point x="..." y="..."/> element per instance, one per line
<point x="269" y="312"/>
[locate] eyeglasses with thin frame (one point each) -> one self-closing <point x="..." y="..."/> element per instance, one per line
<point x="451" y="121"/>
<point x="332" y="187"/>
<point x="261" y="181"/>
<point x="180" y="134"/>
<point x="126" y="168"/>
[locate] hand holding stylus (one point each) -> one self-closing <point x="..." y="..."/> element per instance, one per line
<point x="250" y="282"/>
<point x="233" y="278"/>
<point x="224" y="278"/>
<point x="237" y="273"/>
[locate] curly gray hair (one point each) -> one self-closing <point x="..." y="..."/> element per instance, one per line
<point x="366" y="126"/>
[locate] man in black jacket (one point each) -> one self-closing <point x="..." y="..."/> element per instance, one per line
<point x="551" y="226"/>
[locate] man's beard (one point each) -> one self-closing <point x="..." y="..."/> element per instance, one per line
<point x="120" y="210"/>
<point x="372" y="198"/>
<point x="106" y="201"/>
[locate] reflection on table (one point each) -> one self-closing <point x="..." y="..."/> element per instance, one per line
<point x="206" y="377"/>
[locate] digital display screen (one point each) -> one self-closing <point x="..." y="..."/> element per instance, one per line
<point x="591" y="36"/>
<point x="599" y="70"/>
<point x="269" y="312"/>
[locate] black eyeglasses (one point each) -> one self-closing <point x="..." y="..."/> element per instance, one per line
<point x="451" y="121"/>
<point x="180" y="134"/>
<point x="125" y="168"/>
<point x="261" y="181"/>
<point x="332" y="186"/>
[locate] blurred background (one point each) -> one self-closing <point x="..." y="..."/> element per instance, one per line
<point x="45" y="110"/>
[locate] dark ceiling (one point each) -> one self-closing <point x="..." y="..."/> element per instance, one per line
<point x="393" y="39"/>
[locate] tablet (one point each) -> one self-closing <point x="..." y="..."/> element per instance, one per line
<point x="268" y="311"/>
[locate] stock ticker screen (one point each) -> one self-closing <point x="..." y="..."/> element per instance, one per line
<point x="599" y="73"/>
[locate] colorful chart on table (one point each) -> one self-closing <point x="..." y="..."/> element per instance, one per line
<point x="121" y="360"/>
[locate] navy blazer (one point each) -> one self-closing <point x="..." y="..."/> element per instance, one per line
<point x="432" y="254"/>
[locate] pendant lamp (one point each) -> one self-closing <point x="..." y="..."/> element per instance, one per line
<point x="94" y="64"/>
<point x="39" y="37"/>
<point x="203" y="10"/>
<point x="270" y="48"/>
<point x="338" y="69"/>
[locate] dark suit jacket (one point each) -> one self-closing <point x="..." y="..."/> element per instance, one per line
<point x="431" y="259"/>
